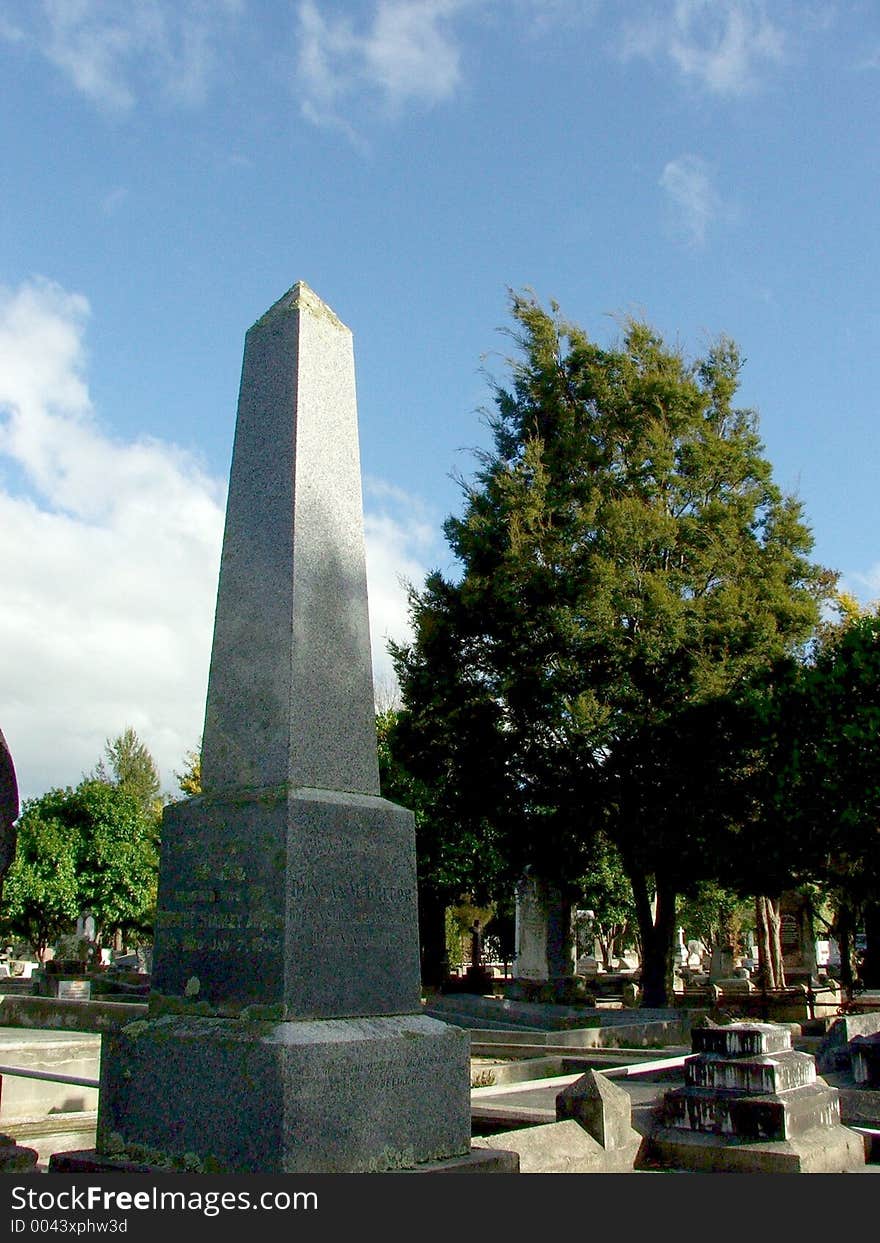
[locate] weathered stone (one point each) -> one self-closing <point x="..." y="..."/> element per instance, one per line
<point x="865" y="1054"/>
<point x="833" y="1150"/>
<point x="559" y="1148"/>
<point x="284" y="1031"/>
<point x="753" y="1117"/>
<point x="310" y="908"/>
<point x="741" y="1039"/>
<point x="15" y="1159"/>
<point x="834" y="1051"/>
<point x="766" y="1073"/>
<point x="602" y="1108"/>
<point x="751" y="1104"/>
<point x="290" y="699"/>
<point x="330" y="1096"/>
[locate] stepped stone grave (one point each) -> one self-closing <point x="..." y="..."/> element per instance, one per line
<point x="319" y="1060"/>
<point x="753" y="1104"/>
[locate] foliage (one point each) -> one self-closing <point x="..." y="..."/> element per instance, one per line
<point x="607" y="892"/>
<point x="829" y="785"/>
<point x="98" y="843"/>
<point x="626" y="558"/>
<point x="40" y="893"/>
<point x="716" y="916"/>
<point x="456" y="846"/>
<point x="190" y="780"/>
<point x="128" y="765"/>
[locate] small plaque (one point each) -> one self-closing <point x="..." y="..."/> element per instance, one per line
<point x="74" y="990"/>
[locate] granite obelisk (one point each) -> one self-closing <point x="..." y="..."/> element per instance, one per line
<point x="285" y="1032"/>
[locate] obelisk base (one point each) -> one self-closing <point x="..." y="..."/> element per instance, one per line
<point x="328" y="1096"/>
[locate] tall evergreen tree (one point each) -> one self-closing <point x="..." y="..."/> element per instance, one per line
<point x="625" y="556"/>
<point x="128" y="764"/>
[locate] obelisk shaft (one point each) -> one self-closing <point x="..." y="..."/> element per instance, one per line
<point x="290" y="692"/>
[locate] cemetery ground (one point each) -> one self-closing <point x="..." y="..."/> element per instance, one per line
<point x="526" y="1059"/>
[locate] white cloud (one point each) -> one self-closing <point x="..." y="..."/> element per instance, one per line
<point x="721" y="44"/>
<point x="109" y="554"/>
<point x="399" y="537"/>
<point x="405" y="52"/>
<point x="692" y="197"/>
<point x="112" y="50"/>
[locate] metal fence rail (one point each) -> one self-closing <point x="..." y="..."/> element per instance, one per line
<point x="49" y="1077"/>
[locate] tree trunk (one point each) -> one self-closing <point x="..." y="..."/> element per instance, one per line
<point x="871" y="962"/>
<point x="432" y="938"/>
<point x="842" y="930"/>
<point x="768" y="923"/>
<point x="657" y="933"/>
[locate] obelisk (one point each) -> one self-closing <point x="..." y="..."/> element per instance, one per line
<point x="285" y="1032"/>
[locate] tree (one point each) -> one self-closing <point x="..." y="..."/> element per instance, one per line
<point x="716" y="915"/>
<point x="129" y="766"/>
<point x="830" y="783"/>
<point x="455" y="848"/>
<point x="626" y="557"/>
<point x="606" y="891"/>
<point x="190" y="780"/>
<point x="40" y="893"/>
<point x="108" y="848"/>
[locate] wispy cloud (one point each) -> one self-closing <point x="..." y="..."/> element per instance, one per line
<point x="112" y="51"/>
<point x="693" y="201"/>
<point x="404" y="52"/>
<point x="723" y="45"/>
<point x="110" y="553"/>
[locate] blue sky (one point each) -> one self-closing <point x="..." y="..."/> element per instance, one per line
<point x="170" y="167"/>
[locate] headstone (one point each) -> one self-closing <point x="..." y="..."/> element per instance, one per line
<point x="865" y="1054"/>
<point x="721" y="965"/>
<point x="545" y="965"/>
<point x="285" y="1032"/>
<point x="753" y="1104"/>
<point x="477" y="979"/>
<point x="796" y="937"/>
<point x="835" y="1050"/>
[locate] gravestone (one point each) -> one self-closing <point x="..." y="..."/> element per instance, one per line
<point x="284" y="1031"/>
<point x="752" y="1104"/>
<point x="797" y="939"/>
<point x="545" y="965"/>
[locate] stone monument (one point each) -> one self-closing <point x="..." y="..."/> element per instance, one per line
<point x="284" y="1031"/>
<point x="752" y="1104"/>
<point x="544" y="968"/>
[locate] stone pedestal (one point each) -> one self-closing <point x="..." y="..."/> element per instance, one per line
<point x="334" y="1096"/>
<point x="751" y="1103"/>
<point x="308" y="911"/>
